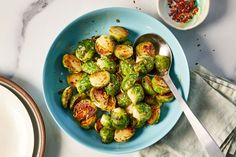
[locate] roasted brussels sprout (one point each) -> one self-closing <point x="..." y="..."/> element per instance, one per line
<point x="128" y="81"/>
<point x="84" y="110"/>
<point x="66" y="96"/>
<point x="123" y="135"/>
<point x="159" y="85"/>
<point x="136" y="93"/>
<point x="127" y="67"/>
<point x="72" y="79"/>
<point x="142" y="112"/>
<point x="145" y="49"/>
<point x="106" y="121"/>
<point x="88" y="123"/>
<point x="102" y="100"/>
<point x="152" y="100"/>
<point x="155" y="115"/>
<point x="119" y="118"/>
<point x="144" y="64"/>
<point x="162" y="63"/>
<point x="100" y="79"/>
<point x="72" y="63"/>
<point x="98" y="125"/>
<point x="123" y="51"/>
<point x="147" y="85"/>
<point x="114" y="85"/>
<point x="83" y="84"/>
<point x="106" y="63"/>
<point x="107" y="135"/>
<point x="85" y="50"/>
<point x="105" y="45"/>
<point x="167" y="97"/>
<point x="119" y="33"/>
<point x="90" y="67"/>
<point x="127" y="42"/>
<point x="76" y="98"/>
<point x="123" y="100"/>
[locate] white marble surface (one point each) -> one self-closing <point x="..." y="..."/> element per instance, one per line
<point x="28" y="28"/>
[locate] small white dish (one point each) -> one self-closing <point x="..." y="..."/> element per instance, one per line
<point x="16" y="129"/>
<point x="164" y="10"/>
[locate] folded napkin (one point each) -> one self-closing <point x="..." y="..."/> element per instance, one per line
<point x="213" y="101"/>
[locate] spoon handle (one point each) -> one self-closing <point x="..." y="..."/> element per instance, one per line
<point x="204" y="137"/>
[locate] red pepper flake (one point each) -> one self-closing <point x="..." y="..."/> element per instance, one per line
<point x="182" y="10"/>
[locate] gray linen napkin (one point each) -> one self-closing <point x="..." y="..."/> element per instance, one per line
<point x="213" y="100"/>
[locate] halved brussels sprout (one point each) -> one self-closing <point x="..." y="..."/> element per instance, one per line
<point x="84" y="110"/>
<point x="106" y="63"/>
<point x="147" y="85"/>
<point x="88" y="123"/>
<point x="144" y="64"/>
<point x="142" y="112"/>
<point x="98" y="125"/>
<point x="83" y="84"/>
<point x="119" y="33"/>
<point x="127" y="67"/>
<point x="66" y="96"/>
<point x="105" y="45"/>
<point x="72" y="79"/>
<point x="162" y="64"/>
<point x="76" y="98"/>
<point x="155" y="115"/>
<point x="123" y="135"/>
<point x="136" y="93"/>
<point x="119" y="118"/>
<point x="100" y="79"/>
<point x="152" y="100"/>
<point x="123" y="51"/>
<point x="167" y="97"/>
<point x="114" y="85"/>
<point x="106" y="121"/>
<point x="128" y="81"/>
<point x="85" y="50"/>
<point x="159" y="85"/>
<point x="90" y="67"/>
<point x="102" y="100"/>
<point x="107" y="135"/>
<point x="145" y="49"/>
<point x="123" y="100"/>
<point x="72" y="63"/>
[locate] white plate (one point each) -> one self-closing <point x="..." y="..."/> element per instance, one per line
<point x="16" y="129"/>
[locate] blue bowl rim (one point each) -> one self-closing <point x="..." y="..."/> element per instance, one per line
<point x="130" y="150"/>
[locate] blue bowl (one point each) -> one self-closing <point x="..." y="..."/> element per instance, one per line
<point x="97" y="23"/>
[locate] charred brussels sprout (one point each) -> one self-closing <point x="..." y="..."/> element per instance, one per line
<point x="147" y="85"/>
<point x="152" y="100"/>
<point x="90" y="67"/>
<point x="144" y="65"/>
<point x="76" y="98"/>
<point x="127" y="67"/>
<point x="105" y="45"/>
<point x="98" y="125"/>
<point x="85" y="50"/>
<point x="84" y="110"/>
<point x="136" y="93"/>
<point x="128" y="81"/>
<point x="123" y="100"/>
<point x="167" y="97"/>
<point x="123" y="51"/>
<point x="72" y="79"/>
<point x="72" y="63"/>
<point x="142" y="112"/>
<point x="123" y="135"/>
<point x="145" y="49"/>
<point x="107" y="135"/>
<point x="114" y="85"/>
<point x="106" y="121"/>
<point x="159" y="85"/>
<point x="119" y="33"/>
<point x="83" y="84"/>
<point x="88" y="123"/>
<point x="100" y="79"/>
<point x="155" y="115"/>
<point x="162" y="63"/>
<point x="66" y="96"/>
<point x="119" y="118"/>
<point x="106" y="63"/>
